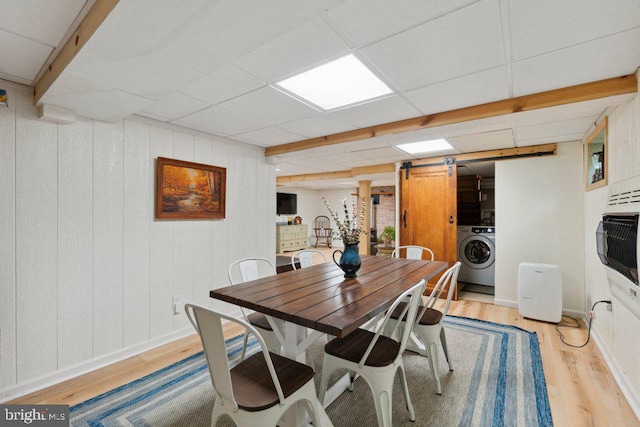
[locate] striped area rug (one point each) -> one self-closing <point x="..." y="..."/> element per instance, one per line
<point x="497" y="381"/>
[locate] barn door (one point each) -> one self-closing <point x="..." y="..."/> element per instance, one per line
<point x="428" y="211"/>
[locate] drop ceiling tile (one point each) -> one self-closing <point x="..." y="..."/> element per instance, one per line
<point x="303" y="48"/>
<point x="559" y="113"/>
<point x="106" y="105"/>
<point x="483" y="141"/>
<point x="478" y="88"/>
<point x="267" y="137"/>
<point x="388" y="154"/>
<point x="364" y="22"/>
<point x="182" y="44"/>
<point x="291" y="169"/>
<point x="175" y="106"/>
<point x="349" y="158"/>
<point x="543" y="26"/>
<point x="92" y="100"/>
<point x="360" y="163"/>
<point x="319" y="125"/>
<point x="269" y="106"/>
<point x="462" y="130"/>
<point x="223" y="84"/>
<point x="24" y="57"/>
<point x="465" y="42"/>
<point x="364" y="144"/>
<point x="220" y="122"/>
<point x="550" y="139"/>
<point x="323" y="165"/>
<point x="385" y="110"/>
<point x="44" y="21"/>
<point x="555" y="129"/>
<point x="600" y="59"/>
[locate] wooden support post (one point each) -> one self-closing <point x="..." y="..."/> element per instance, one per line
<point x="364" y="192"/>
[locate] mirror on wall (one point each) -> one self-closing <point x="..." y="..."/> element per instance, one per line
<point x="595" y="159"/>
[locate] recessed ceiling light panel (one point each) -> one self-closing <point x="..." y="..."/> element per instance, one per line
<point x="425" y="146"/>
<point x="344" y="81"/>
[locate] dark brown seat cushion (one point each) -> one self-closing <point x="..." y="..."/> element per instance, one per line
<point x="430" y="317"/>
<point x="259" y="320"/>
<point x="253" y="388"/>
<point x="353" y="346"/>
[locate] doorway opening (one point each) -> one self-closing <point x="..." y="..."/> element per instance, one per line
<point x="476" y="231"/>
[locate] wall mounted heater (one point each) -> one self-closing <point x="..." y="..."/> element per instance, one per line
<point x="617" y="242"/>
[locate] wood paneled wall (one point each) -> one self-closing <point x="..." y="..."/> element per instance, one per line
<point x="85" y="269"/>
<point x="617" y="332"/>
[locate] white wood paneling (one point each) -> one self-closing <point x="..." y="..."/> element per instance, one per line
<point x="138" y="206"/>
<point x="235" y="203"/>
<point x="220" y="229"/>
<point x="183" y="240"/>
<point x="248" y="217"/>
<point x="75" y="242"/>
<point x="36" y="242"/>
<point x="161" y="248"/>
<point x="8" y="246"/>
<point x="108" y="238"/>
<point x="266" y="207"/>
<point x="87" y="272"/>
<point x="618" y="331"/>
<point x="203" y="238"/>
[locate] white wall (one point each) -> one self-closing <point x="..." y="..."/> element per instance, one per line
<point x="85" y="271"/>
<point x="618" y="332"/>
<point x="539" y="218"/>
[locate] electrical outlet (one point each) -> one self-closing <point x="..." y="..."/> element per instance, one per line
<point x="609" y="307"/>
<point x="177" y="304"/>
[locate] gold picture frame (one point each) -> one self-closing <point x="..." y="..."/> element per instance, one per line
<point x="596" y="157"/>
<point x="186" y="190"/>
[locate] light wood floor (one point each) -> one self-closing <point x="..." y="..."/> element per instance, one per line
<point x="581" y="389"/>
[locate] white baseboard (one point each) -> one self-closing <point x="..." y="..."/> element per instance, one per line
<point x="47" y="380"/>
<point x="505" y="303"/>
<point x="508" y="303"/>
<point x="630" y="393"/>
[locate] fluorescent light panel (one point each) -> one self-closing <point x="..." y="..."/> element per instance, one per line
<point x="344" y="81"/>
<point x="425" y="146"/>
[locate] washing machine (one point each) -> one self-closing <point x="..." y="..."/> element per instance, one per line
<point x="477" y="253"/>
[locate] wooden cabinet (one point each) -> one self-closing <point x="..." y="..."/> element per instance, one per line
<point x="469" y="200"/>
<point x="291" y="237"/>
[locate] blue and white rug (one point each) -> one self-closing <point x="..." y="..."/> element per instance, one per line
<point x="497" y="381"/>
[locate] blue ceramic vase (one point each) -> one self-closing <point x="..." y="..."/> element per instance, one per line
<point x="349" y="260"/>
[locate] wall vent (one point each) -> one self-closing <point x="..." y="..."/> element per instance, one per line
<point x="624" y="196"/>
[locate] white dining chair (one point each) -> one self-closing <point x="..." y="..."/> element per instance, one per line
<point x="305" y="258"/>
<point x="375" y="357"/>
<point x="259" y="390"/>
<point x="412" y="252"/>
<point x="428" y="325"/>
<point x="244" y="270"/>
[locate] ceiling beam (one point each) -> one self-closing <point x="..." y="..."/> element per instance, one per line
<point x="357" y="171"/>
<point x="552" y="98"/>
<point x="478" y="156"/>
<point x="95" y="17"/>
<point x="493" y="155"/>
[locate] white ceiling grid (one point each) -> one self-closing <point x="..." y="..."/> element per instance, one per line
<point x="210" y="66"/>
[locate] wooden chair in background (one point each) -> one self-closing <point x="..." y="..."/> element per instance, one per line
<point x="322" y="230"/>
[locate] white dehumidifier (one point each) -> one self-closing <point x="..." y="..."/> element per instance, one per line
<point x="540" y="291"/>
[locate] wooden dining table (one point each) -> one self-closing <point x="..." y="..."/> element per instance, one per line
<point x="302" y="305"/>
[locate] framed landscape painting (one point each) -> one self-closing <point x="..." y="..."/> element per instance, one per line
<point x="186" y="190"/>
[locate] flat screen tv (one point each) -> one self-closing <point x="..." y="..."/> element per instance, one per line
<point x="287" y="204"/>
